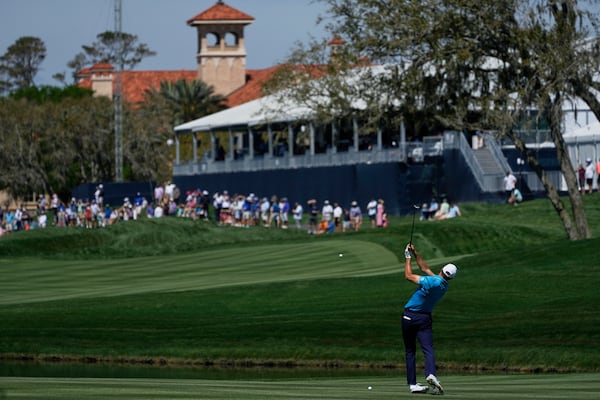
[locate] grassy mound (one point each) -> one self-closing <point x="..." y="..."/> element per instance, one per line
<point x="184" y="292"/>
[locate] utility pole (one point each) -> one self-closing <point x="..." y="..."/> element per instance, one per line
<point x="118" y="95"/>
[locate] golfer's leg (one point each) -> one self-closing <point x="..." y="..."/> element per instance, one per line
<point x="425" y="337"/>
<point x="409" y="334"/>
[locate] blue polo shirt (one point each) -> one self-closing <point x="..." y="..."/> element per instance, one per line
<point x="431" y="290"/>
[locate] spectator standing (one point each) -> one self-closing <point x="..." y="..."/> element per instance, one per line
<point x="509" y="182"/>
<point x="204" y="204"/>
<point x="159" y="191"/>
<point x="9" y="217"/>
<point x="337" y="216"/>
<point x="72" y="212"/>
<point x="372" y="212"/>
<point x="598" y="175"/>
<point x="217" y="203"/>
<point x="589" y="174"/>
<point x="274" y="216"/>
<point x="71" y="215"/>
<point x="25" y="218"/>
<point x="297" y="213"/>
<point x="284" y="210"/>
<point x="355" y="216"/>
<point x="327" y="211"/>
<point x="313" y="216"/>
<point x="139" y="203"/>
<point x="18" y="223"/>
<point x="581" y="178"/>
<point x="380" y="212"/>
<point x="97" y="219"/>
<point x="88" y="216"/>
<point x="42" y="204"/>
<point x="247" y="210"/>
<point x="265" y="208"/>
<point x="99" y="195"/>
<point x="169" y="190"/>
<point x="80" y="212"/>
<point x="347" y="224"/>
<point x="108" y="215"/>
<point x="225" y="212"/>
<point x="54" y="203"/>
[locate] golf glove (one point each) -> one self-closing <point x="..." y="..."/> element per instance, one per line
<point x="407" y="253"/>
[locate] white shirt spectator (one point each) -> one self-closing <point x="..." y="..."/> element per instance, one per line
<point x="510" y="182"/>
<point x="327" y="211"/>
<point x="337" y="212"/>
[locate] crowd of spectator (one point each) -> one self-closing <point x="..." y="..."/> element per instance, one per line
<point x="438" y="211"/>
<point x="221" y="207"/>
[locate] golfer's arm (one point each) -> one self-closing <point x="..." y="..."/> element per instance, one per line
<point x="408" y="274"/>
<point x="423" y="265"/>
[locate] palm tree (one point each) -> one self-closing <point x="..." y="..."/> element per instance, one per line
<point x="189" y="100"/>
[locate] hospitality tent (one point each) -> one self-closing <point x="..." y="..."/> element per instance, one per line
<point x="267" y="109"/>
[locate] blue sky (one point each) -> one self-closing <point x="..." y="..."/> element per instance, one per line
<point x="66" y="25"/>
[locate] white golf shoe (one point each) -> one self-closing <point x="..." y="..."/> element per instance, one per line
<point x="435" y="384"/>
<point x="418" y="389"/>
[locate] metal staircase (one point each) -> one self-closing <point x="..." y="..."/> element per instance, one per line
<point x="487" y="163"/>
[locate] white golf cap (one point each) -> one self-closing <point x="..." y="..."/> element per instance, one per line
<point x="449" y="270"/>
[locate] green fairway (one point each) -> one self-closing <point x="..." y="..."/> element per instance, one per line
<point x="183" y="293"/>
<point x="36" y="280"/>
<point x="518" y="387"/>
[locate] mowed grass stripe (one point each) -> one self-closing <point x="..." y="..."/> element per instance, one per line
<point x="496" y="387"/>
<point x="35" y="280"/>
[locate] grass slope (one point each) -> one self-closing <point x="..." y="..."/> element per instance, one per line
<point x="191" y="292"/>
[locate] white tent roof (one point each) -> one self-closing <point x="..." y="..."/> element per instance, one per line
<point x="254" y="112"/>
<point x="586" y="132"/>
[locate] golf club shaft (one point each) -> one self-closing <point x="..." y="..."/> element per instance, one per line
<point x="413" y="223"/>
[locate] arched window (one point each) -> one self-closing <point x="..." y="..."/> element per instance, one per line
<point x="231" y="39"/>
<point x="212" y="40"/>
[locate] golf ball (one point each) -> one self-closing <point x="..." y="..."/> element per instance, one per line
<point x="341" y="255"/>
<point x="370" y="387"/>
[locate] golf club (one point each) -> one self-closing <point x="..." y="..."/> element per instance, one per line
<point x="415" y="208"/>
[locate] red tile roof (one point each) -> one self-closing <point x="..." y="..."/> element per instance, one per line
<point x="135" y="83"/>
<point x="220" y="12"/>
<point x="253" y="89"/>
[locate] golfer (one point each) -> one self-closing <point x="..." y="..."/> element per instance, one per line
<point x="417" y="321"/>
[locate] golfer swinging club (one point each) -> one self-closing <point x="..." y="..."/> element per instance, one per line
<point x="417" y="321"/>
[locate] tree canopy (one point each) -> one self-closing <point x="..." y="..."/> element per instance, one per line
<point x="114" y="48"/>
<point x="21" y="62"/>
<point x="461" y="64"/>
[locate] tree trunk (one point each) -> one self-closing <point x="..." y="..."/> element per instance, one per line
<point x="551" y="191"/>
<point x="579" y="230"/>
<point x="566" y="166"/>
